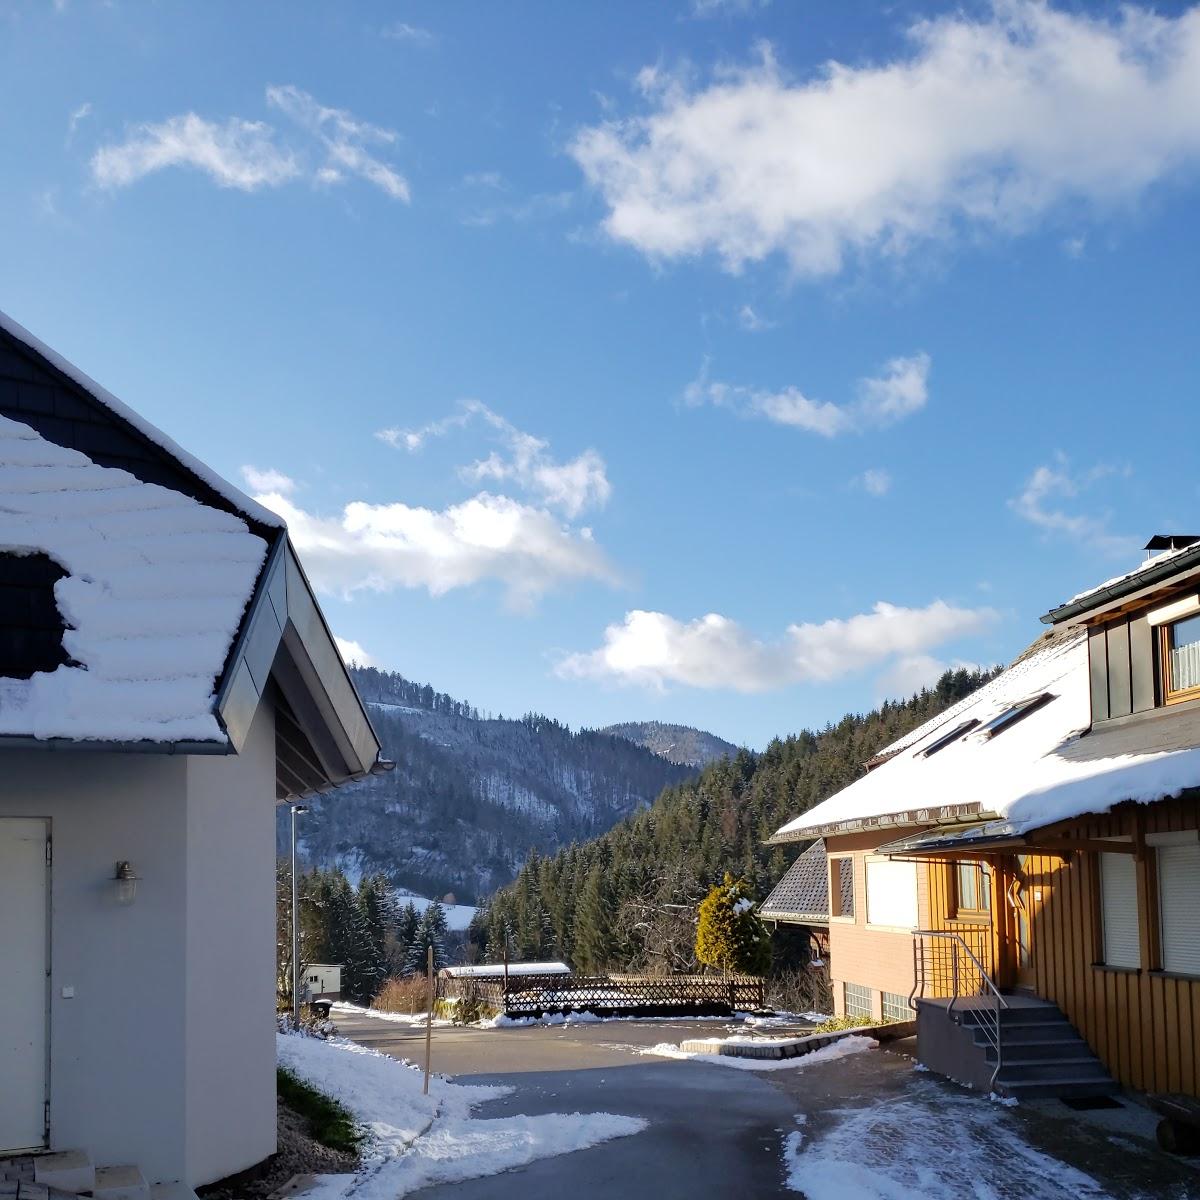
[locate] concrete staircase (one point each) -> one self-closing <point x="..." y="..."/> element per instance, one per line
<point x="1043" y="1054"/>
<point x="68" y="1174"/>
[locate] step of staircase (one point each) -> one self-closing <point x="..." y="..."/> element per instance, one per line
<point x="120" y="1183"/>
<point x="1059" y="1048"/>
<point x="1048" y="1070"/>
<point x="1064" y="1088"/>
<point x="66" y="1170"/>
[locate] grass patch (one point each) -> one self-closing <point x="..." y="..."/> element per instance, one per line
<point x="328" y="1122"/>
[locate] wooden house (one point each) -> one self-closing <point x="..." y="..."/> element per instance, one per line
<point x="1025" y="868"/>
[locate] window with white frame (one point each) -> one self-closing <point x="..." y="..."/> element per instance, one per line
<point x="891" y="893"/>
<point x="896" y="1007"/>
<point x="1119" y="910"/>
<point x="1179" y="901"/>
<point x="856" y="1000"/>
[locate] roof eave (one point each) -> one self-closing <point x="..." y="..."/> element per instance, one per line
<point x="946" y="815"/>
<point x="1177" y="568"/>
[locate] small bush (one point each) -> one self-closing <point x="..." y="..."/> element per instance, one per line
<point x="409" y="994"/>
<point x="328" y="1122"/>
<point x="801" y="989"/>
<point x="310" y="1025"/>
<point x="837" y="1024"/>
<point x="469" y="1006"/>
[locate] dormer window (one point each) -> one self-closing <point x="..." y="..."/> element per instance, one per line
<point x="1181" y="659"/>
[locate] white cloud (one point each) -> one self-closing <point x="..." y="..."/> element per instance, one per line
<point x="653" y="649"/>
<point x="250" y="155"/>
<point x="984" y="124"/>
<point x="401" y="31"/>
<point x="234" y="154"/>
<point x="727" y="8"/>
<point x="900" y="390"/>
<point x="751" y="322"/>
<point x="572" y="486"/>
<point x="268" y="480"/>
<point x="79" y="114"/>
<point x="380" y="547"/>
<point x="1041" y="503"/>
<point x="875" y="481"/>
<point x="352" y="652"/>
<point x="345" y="139"/>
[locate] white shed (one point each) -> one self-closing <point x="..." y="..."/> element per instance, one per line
<point x="322" y="981"/>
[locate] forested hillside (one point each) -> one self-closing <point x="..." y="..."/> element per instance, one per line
<point x="471" y="794"/>
<point x="678" y="743"/>
<point x="627" y="899"/>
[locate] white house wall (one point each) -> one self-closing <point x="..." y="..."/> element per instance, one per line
<point x="231" y="957"/>
<point x="117" y="1046"/>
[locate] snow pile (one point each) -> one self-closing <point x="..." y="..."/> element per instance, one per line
<point x="1033" y="773"/>
<point x="155" y="589"/>
<point x="940" y="1147"/>
<point x="398" y="1018"/>
<point x="854" y="1044"/>
<point x="415" y="1140"/>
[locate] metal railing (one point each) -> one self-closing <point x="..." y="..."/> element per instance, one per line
<point x="946" y="968"/>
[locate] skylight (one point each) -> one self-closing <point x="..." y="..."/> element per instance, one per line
<point x="952" y="736"/>
<point x="1018" y="712"/>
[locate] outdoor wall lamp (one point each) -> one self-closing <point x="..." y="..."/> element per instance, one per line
<point x="125" y="883"/>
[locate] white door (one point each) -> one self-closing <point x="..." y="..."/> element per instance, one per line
<point x="23" y="999"/>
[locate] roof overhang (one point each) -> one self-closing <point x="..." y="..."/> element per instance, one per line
<point x="1176" y="570"/>
<point x="818" y="920"/>
<point x="324" y="737"/>
<point x="981" y="839"/>
<point x="950" y="814"/>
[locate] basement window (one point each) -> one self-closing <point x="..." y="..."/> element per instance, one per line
<point x="857" y="1000"/>
<point x="946" y="738"/>
<point x="31" y="627"/>
<point x="1018" y="712"/>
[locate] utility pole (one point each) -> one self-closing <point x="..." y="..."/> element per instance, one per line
<point x="295" y="809"/>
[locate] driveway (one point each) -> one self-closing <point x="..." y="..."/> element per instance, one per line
<point x="867" y="1127"/>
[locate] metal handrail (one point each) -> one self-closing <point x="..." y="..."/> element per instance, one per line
<point x="986" y="985"/>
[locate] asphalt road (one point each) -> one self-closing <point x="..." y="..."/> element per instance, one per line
<point x="712" y="1131"/>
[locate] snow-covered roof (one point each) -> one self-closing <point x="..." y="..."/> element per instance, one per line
<point x="201" y="471"/>
<point x="154" y="594"/>
<point x="1039" y="770"/>
<point x="491" y="970"/>
<point x="1157" y="567"/>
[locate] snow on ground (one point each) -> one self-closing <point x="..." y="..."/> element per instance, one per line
<point x="458" y="916"/>
<point x="854" y="1044"/>
<point x="399" y="1018"/>
<point x="945" y="1148"/>
<point x="415" y="1140"/>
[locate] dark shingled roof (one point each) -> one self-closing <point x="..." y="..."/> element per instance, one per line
<point x="802" y="895"/>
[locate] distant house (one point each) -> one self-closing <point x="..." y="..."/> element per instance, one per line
<point x="1032" y="856"/>
<point x="322" y="981"/>
<point x="497" y="970"/>
<point x="166" y="677"/>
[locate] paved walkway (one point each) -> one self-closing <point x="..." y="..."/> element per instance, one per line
<point x="867" y="1127"/>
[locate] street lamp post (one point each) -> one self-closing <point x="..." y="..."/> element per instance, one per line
<point x="295" y="808"/>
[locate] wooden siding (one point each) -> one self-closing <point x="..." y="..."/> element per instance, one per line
<point x="1143" y="1024"/>
<point x="1123" y="679"/>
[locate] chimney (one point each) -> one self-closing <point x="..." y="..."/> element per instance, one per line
<point x="1165" y="543"/>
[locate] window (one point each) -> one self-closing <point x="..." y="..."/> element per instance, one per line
<point x="896" y="1007"/>
<point x="857" y="1001"/>
<point x="1179" y="906"/>
<point x="1018" y="712"/>
<point x="953" y="736"/>
<point x="972" y="890"/>
<point x="1119" y="910"/>
<point x="891" y="893"/>
<point x="1180" y="654"/>
<point x="841" y="888"/>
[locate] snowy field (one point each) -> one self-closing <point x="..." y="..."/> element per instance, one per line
<point x="416" y="1140"/>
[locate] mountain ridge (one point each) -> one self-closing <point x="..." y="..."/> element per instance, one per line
<point x="682" y="744"/>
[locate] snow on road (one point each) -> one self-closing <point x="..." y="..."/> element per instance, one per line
<point x="944" y="1148"/>
<point x="854" y="1044"/>
<point x="416" y="1140"/>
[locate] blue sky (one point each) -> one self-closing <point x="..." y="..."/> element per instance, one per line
<point x="733" y="363"/>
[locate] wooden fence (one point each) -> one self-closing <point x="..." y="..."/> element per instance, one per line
<point x="612" y="995"/>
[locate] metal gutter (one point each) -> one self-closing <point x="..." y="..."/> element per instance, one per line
<point x="24" y="742"/>
<point x="1174" y="565"/>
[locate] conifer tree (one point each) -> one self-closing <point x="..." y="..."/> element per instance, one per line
<point x="594" y="935"/>
<point x="730" y="935"/>
<point x="431" y="931"/>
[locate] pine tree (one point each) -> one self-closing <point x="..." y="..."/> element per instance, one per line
<point x="431" y="931"/>
<point x="594" y="940"/>
<point x="350" y="943"/>
<point x="730" y="934"/>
